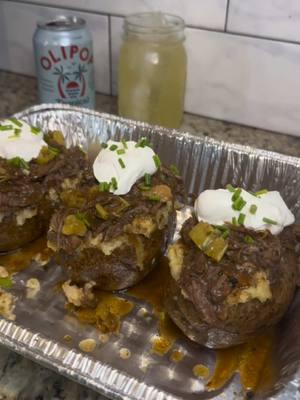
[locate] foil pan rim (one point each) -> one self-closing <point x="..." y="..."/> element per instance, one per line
<point x="203" y="139"/>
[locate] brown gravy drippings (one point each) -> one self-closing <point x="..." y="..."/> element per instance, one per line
<point x="151" y="289"/>
<point x="20" y="259"/>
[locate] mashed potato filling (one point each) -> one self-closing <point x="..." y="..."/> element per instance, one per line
<point x="260" y="290"/>
<point x="175" y="256"/>
<point x="23" y="215"/>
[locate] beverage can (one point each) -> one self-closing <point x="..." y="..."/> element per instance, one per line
<point x="64" y="62"/>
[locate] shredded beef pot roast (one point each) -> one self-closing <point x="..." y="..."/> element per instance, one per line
<point x="29" y="192"/>
<point x="221" y="304"/>
<point x="113" y="241"/>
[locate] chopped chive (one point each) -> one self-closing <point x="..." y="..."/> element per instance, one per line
<point x="123" y="141"/>
<point x="253" y="209"/>
<point x="241" y="218"/>
<point x="174" y="169"/>
<point x="239" y="204"/>
<point x="121" y="162"/>
<point x="101" y="212"/>
<point x="16" y="122"/>
<point x="153" y="197"/>
<point x="270" y="221"/>
<point x="53" y="150"/>
<point x="35" y="130"/>
<point x="6" y="283"/>
<point x="113" y="147"/>
<point x="82" y="217"/>
<point x="114" y="183"/>
<point x="225" y="234"/>
<point x="121" y="151"/>
<point x="260" y="192"/>
<point x="143" y="142"/>
<point x="143" y="187"/>
<point x="230" y="188"/>
<point x="17" y="133"/>
<point x="156" y="160"/>
<point x="104" y="186"/>
<point x="104" y="145"/>
<point x="6" y="127"/>
<point x="236" y="194"/>
<point x="221" y="228"/>
<point x="234" y="221"/>
<point x="248" y="239"/>
<point x="147" y="179"/>
<point x="18" y="162"/>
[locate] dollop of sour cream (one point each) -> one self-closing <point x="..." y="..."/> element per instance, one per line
<point x="18" y="139"/>
<point x="126" y="162"/>
<point x="266" y="211"/>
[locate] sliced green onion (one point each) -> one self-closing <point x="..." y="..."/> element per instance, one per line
<point x="104" y="145"/>
<point x="6" y="127"/>
<point x="114" y="183"/>
<point x="241" y="218"/>
<point x="82" y="217"/>
<point x="17" y="133"/>
<point x="143" y="187"/>
<point x="6" y="283"/>
<point x="18" y="162"/>
<point x="248" y="239"/>
<point x="253" y="209"/>
<point x="270" y="221"/>
<point x="123" y="141"/>
<point x="113" y="147"/>
<point x="121" y="151"/>
<point x="260" y="192"/>
<point x="230" y="188"/>
<point x="121" y="162"/>
<point x="53" y="150"/>
<point x="147" y="179"/>
<point x="225" y="234"/>
<point x="236" y="194"/>
<point x="156" y="160"/>
<point x="104" y="186"/>
<point x="239" y="204"/>
<point x="124" y="202"/>
<point x="174" y="169"/>
<point x="143" y="142"/>
<point x="102" y="213"/>
<point x="234" y="221"/>
<point x="35" y="130"/>
<point x="16" y="122"/>
<point x="153" y="197"/>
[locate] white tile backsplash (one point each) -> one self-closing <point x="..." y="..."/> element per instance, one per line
<point x="231" y="76"/>
<point x="247" y="80"/>
<point x="204" y="13"/>
<point x="17" y="25"/>
<point x="279" y="19"/>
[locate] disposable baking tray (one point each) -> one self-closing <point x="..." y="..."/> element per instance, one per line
<point x="41" y="323"/>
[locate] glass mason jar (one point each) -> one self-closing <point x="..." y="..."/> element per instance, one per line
<point x="152" y="69"/>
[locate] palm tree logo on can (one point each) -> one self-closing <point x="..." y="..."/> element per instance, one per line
<point x="71" y="84"/>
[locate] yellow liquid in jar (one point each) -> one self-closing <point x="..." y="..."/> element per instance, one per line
<point x="152" y="81"/>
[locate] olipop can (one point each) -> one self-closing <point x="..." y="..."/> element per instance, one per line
<point x="64" y="62"/>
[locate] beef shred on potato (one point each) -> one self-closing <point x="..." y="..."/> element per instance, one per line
<point x="220" y="304"/>
<point x="114" y="241"/>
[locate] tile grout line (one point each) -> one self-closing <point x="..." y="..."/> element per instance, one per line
<point x="189" y="26"/>
<point x="226" y="15"/>
<point x="110" y="54"/>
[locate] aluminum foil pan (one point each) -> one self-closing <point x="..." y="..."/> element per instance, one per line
<point x="41" y="323"/>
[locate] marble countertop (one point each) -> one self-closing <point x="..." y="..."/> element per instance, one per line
<point x="18" y="92"/>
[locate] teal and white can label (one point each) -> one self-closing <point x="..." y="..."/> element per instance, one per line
<point x="64" y="62"/>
